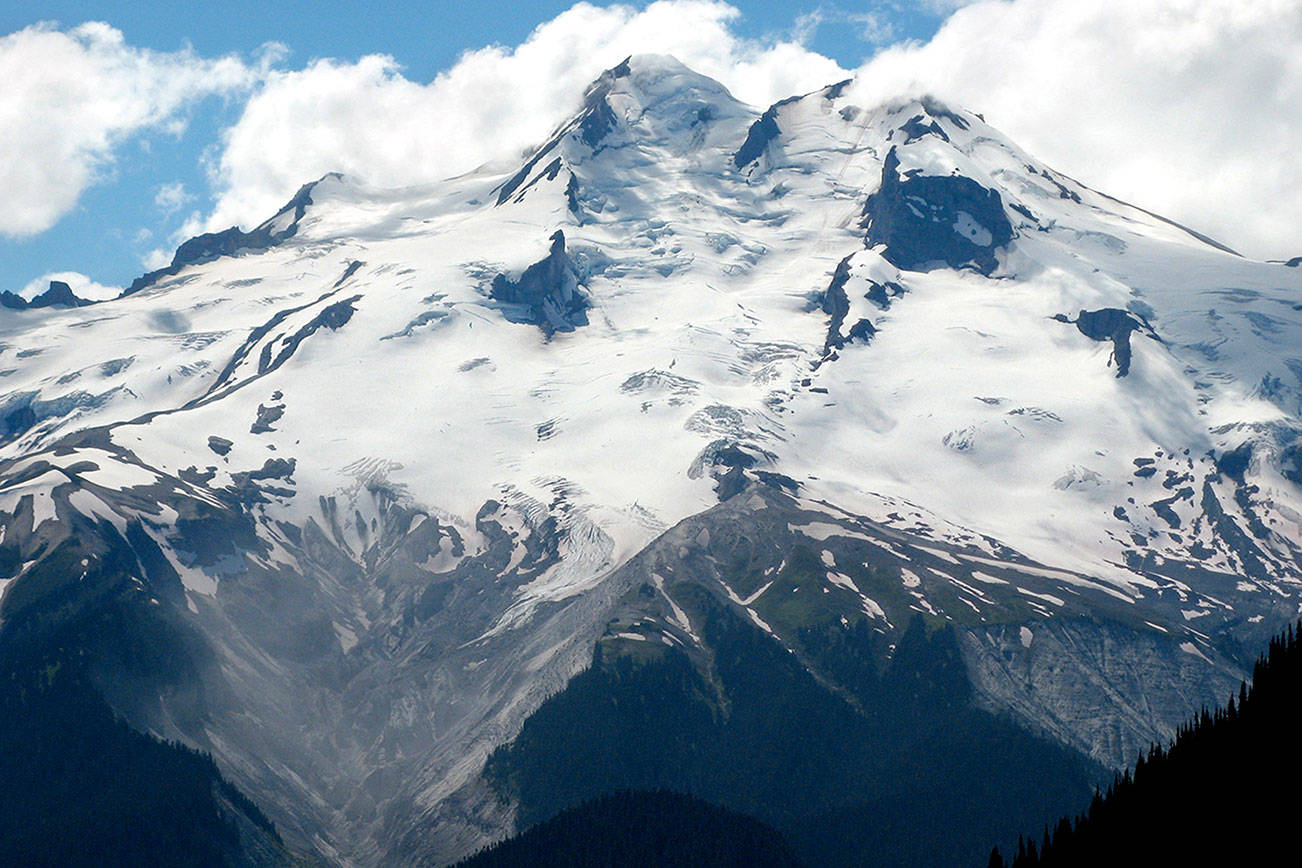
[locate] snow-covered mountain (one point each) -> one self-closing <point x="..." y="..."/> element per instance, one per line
<point x="381" y="473"/>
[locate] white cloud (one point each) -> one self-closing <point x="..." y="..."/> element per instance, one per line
<point x="875" y="28"/>
<point x="942" y="7"/>
<point x="158" y="257"/>
<point x="806" y="26"/>
<point x="170" y="197"/>
<point x="368" y="121"/>
<point x="1190" y="108"/>
<point x="81" y="286"/>
<point x="68" y="98"/>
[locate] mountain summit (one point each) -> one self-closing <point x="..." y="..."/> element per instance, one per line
<point x="344" y="499"/>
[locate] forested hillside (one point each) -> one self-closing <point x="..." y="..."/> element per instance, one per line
<point x="642" y="828"/>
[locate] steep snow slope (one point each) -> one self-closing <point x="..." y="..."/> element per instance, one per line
<point x="388" y="459"/>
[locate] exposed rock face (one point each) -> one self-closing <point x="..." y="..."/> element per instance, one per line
<point x="760" y="134"/>
<point x="58" y="295"/>
<point x="1110" y="324"/>
<point x="592" y="124"/>
<point x="766" y="129"/>
<point x="548" y="294"/>
<point x="598" y="118"/>
<point x="1107" y="684"/>
<point x="836" y="304"/>
<point x="266" y="417"/>
<point x="1049" y="673"/>
<point x="915" y="128"/>
<point x="931" y="222"/>
<point x="16" y="421"/>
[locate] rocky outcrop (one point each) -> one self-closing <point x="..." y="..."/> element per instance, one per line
<point x="836" y="304"/>
<point x="929" y="222"/>
<point x="58" y="295"/>
<point x="763" y="131"/>
<point x="549" y="294"/>
<point x="1111" y="324"/>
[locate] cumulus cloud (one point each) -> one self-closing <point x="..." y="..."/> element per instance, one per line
<point x="368" y="121"/>
<point x="1190" y="108"/>
<point x="69" y="98"/>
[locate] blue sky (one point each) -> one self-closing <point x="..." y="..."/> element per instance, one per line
<point x="426" y="37"/>
<point x="1084" y="90"/>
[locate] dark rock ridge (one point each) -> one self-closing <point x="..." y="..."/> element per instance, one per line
<point x="760" y="134"/>
<point x="937" y="111"/>
<point x="597" y="118"/>
<point x="244" y="483"/>
<point x="228" y="242"/>
<point x="58" y="295"/>
<point x="836" y="304"/>
<point x="766" y="128"/>
<point x="820" y="735"/>
<point x="1111" y="324"/>
<point x="280" y="346"/>
<point x="1064" y="192"/>
<point x="881" y="294"/>
<point x="549" y="172"/>
<point x="929" y="222"/>
<point x="1290" y="460"/>
<point x="593" y="122"/>
<point x="719" y="699"/>
<point x="549" y="294"/>
<point x="1234" y="462"/>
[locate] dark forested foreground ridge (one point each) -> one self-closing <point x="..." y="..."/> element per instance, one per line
<point x="81" y="788"/>
<point x="1224" y="793"/>
<point x="637" y="829"/>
